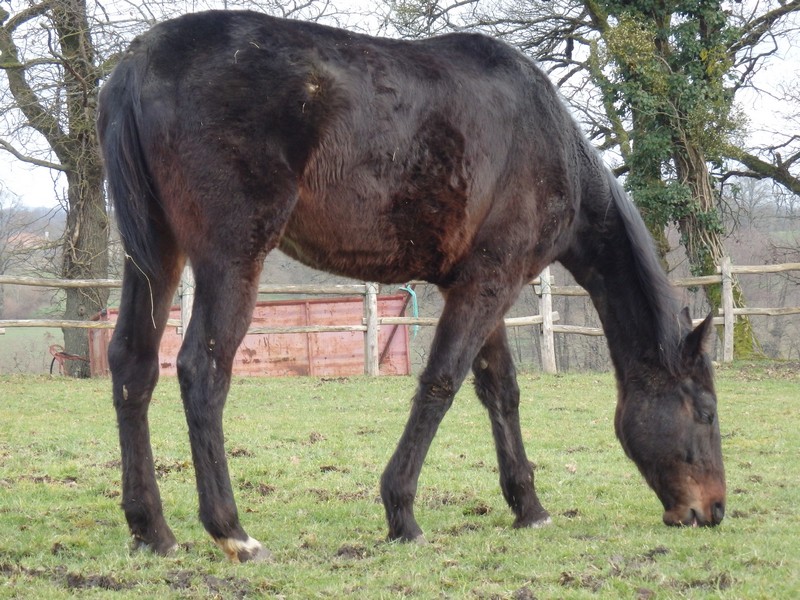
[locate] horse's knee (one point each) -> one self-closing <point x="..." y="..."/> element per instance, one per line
<point x="186" y="366"/>
<point x="439" y="389"/>
<point x="117" y="354"/>
<point x="121" y="356"/>
<point x="202" y="361"/>
<point x="196" y="365"/>
<point x="134" y="374"/>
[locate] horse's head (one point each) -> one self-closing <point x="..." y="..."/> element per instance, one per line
<point x="667" y="424"/>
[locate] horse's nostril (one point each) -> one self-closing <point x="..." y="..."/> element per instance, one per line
<point x="717" y="512"/>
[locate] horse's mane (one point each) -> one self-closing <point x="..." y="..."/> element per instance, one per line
<point x="657" y="289"/>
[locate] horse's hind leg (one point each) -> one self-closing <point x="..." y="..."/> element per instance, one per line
<point x="133" y="360"/>
<point x="496" y="386"/>
<point x="225" y="292"/>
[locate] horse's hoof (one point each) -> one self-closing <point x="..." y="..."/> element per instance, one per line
<point x="534" y="523"/>
<point x="417" y="539"/>
<point x="239" y="551"/>
<point x="411" y="535"/>
<point x="167" y="548"/>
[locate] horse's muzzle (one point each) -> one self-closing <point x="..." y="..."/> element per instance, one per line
<point x="695" y="516"/>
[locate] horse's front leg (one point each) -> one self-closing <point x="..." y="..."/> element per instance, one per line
<point x="399" y="481"/>
<point x="468" y="317"/>
<point x="496" y="386"/>
<point x="221" y="314"/>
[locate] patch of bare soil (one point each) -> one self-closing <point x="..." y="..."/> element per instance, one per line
<point x="352" y="551"/>
<point x="456" y="530"/>
<point x="79" y="581"/>
<point x="164" y="468"/>
<point x="262" y="489"/>
<point x="478" y="509"/>
<point x="228" y="587"/>
<point x="635" y="567"/>
<point x="323" y="380"/>
<point x="524" y="593"/>
<point x="68" y="579"/>
<point x="720" y="581"/>
<point x="46" y="479"/>
<point x="433" y="498"/>
<point x="583" y="580"/>
<point x="239" y="452"/>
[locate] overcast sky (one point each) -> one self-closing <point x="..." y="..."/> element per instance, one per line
<point x="33" y="185"/>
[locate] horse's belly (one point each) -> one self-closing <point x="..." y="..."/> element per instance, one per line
<point x="385" y="238"/>
<point x="344" y="248"/>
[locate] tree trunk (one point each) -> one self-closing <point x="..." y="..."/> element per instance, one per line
<point x="85" y="256"/>
<point x="702" y="237"/>
<point x="85" y="250"/>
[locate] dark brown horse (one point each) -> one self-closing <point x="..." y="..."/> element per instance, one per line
<point x="228" y="134"/>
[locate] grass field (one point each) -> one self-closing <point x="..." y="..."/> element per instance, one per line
<point x="306" y="455"/>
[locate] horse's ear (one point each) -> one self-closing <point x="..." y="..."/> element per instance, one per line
<point x="698" y="340"/>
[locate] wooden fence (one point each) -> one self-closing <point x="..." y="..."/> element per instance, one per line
<point x="544" y="286"/>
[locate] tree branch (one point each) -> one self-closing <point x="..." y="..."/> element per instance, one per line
<point x="761" y="169"/>
<point x="23" y="16"/>
<point x="754" y="31"/>
<point x="24" y="95"/>
<point x="4" y="145"/>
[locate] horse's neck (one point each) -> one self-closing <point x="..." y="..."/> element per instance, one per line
<point x="606" y="259"/>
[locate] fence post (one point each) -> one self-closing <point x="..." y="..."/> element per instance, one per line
<point x="727" y="310"/>
<point x="371" y="350"/>
<point x="187" y="297"/>
<point x="546" y="307"/>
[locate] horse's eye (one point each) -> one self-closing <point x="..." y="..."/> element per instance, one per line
<point x="705" y="408"/>
<point x="706" y="416"/>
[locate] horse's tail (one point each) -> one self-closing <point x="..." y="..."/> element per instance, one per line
<point x="119" y="126"/>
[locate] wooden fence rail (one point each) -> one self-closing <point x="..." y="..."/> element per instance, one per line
<point x="372" y="321"/>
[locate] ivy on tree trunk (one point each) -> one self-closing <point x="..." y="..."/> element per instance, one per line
<point x="669" y="62"/>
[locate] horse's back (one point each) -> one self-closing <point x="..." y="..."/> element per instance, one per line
<point x="391" y="156"/>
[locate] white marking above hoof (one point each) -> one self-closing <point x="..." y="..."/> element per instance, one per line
<point x="543" y="523"/>
<point x="244" y="550"/>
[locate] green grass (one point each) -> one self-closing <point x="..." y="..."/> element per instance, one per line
<point x="306" y="455"/>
